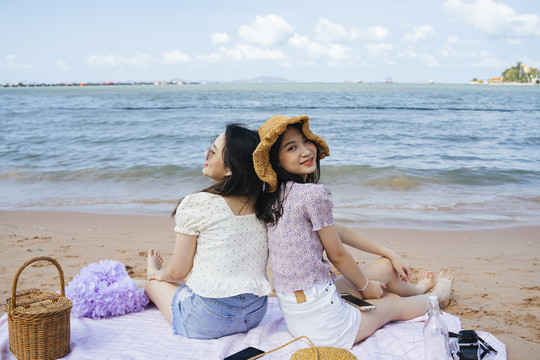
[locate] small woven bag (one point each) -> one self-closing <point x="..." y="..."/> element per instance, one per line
<point x="314" y="352"/>
<point x="38" y="322"/>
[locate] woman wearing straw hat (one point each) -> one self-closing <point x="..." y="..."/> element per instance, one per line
<point x="298" y="213"/>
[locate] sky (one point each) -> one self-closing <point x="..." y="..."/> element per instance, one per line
<point x="448" y="41"/>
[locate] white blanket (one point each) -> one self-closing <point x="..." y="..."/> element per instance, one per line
<point x="147" y="335"/>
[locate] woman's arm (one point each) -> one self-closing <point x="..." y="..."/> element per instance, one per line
<point x="181" y="261"/>
<point x="344" y="262"/>
<point x="358" y="241"/>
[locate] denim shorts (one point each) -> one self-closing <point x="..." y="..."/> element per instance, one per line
<point x="199" y="317"/>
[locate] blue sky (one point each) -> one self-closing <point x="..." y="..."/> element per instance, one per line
<point x="449" y="41"/>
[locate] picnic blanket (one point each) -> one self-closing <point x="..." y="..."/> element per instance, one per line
<point x="147" y="335"/>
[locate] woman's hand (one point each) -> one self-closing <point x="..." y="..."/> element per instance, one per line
<point x="402" y="267"/>
<point x="374" y="290"/>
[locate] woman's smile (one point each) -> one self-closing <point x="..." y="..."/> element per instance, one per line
<point x="308" y="162"/>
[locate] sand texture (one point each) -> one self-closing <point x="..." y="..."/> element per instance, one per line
<point x="496" y="271"/>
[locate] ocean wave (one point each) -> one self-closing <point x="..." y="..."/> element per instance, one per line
<point x="435" y="108"/>
<point x="406" y="179"/>
<point x="402" y="182"/>
<point x="262" y="106"/>
<point x="131" y="174"/>
<point x="532" y="199"/>
<point x="389" y="177"/>
<point x="88" y="202"/>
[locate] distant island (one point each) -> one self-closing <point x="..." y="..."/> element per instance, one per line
<point x="520" y="74"/>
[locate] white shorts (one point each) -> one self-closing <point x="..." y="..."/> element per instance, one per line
<point x="324" y="317"/>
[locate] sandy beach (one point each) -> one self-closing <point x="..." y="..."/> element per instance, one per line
<point x="496" y="271"/>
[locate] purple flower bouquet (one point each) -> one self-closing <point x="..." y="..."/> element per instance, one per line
<point x="105" y="289"/>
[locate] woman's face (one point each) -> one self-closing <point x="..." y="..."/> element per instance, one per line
<point x="214" y="166"/>
<point x="297" y="155"/>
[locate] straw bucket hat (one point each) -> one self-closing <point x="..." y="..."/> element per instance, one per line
<point x="269" y="133"/>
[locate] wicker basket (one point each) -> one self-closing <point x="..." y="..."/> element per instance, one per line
<point x="314" y="352"/>
<point x="323" y="353"/>
<point x="38" y="322"/>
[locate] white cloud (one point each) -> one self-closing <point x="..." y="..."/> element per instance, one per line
<point x="175" y="57"/>
<point x="454" y="47"/>
<point x="428" y="59"/>
<point x="243" y="52"/>
<point x="338" y="52"/>
<point x="10" y="62"/>
<point x="220" y="38"/>
<point x="513" y="41"/>
<point x="115" y="60"/>
<point x="377" y="50"/>
<point x="448" y="48"/>
<point x="451" y="40"/>
<point x="484" y="53"/>
<point x="494" y="18"/>
<point x="266" y="31"/>
<point x="211" y="58"/>
<point x="490" y="62"/>
<point x="315" y="50"/>
<point x="303" y="43"/>
<point x="419" y="33"/>
<point x="376" y="33"/>
<point x="327" y="31"/>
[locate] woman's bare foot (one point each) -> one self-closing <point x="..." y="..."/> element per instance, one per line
<point x="426" y="281"/>
<point x="443" y="288"/>
<point x="155" y="261"/>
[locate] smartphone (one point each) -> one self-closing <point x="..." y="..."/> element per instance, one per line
<point x="245" y="354"/>
<point x="362" y="304"/>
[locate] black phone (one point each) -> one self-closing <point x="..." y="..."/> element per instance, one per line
<point x="362" y="304"/>
<point x="245" y="354"/>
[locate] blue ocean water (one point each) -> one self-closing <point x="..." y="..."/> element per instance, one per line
<point x="422" y="155"/>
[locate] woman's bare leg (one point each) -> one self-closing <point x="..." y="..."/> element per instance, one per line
<point x="382" y="270"/>
<point x="160" y="293"/>
<point x="393" y="307"/>
<point x="140" y="283"/>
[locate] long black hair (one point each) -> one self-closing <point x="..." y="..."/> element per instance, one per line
<point x="240" y="142"/>
<point x="270" y="205"/>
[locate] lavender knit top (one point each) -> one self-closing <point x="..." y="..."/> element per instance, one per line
<point x="296" y="252"/>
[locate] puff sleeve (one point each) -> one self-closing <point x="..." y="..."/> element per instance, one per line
<point x="191" y="215"/>
<point x="319" y="207"/>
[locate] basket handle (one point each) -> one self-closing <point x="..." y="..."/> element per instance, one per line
<point x="16" y="278"/>
<point x="290" y="342"/>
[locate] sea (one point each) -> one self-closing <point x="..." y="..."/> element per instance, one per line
<point x="449" y="156"/>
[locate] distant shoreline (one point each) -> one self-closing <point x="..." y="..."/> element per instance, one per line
<point x="247" y="82"/>
<point x="510" y="83"/>
<point x="123" y="83"/>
